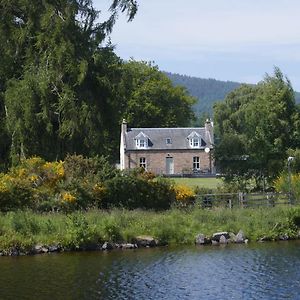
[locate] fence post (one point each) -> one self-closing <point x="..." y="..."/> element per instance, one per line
<point x="241" y="199"/>
<point x="230" y="203"/>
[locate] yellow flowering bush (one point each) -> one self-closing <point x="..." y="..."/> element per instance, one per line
<point x="67" y="197"/>
<point x="184" y="194"/>
<point x="281" y="184"/>
<point x="99" y="192"/>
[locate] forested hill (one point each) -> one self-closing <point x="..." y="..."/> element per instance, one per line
<point x="207" y="91"/>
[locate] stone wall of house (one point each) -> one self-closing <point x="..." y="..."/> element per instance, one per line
<point x="183" y="160"/>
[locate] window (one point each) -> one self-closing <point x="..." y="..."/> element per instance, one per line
<point x="141" y="143"/>
<point x="195" y="140"/>
<point x="195" y="143"/>
<point x="196" y="163"/>
<point x="168" y="141"/>
<point x="143" y="162"/>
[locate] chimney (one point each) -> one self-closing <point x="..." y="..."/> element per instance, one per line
<point x="123" y="144"/>
<point x="209" y="131"/>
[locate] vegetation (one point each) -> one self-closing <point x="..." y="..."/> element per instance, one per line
<point x="23" y="230"/>
<point x="209" y="183"/>
<point x="64" y="90"/>
<point x="79" y="183"/>
<point x="257" y="125"/>
<point x="207" y="92"/>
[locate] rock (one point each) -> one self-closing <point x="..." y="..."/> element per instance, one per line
<point x="107" y="246"/>
<point x="223" y="240"/>
<point x="39" y="249"/>
<point x="264" y="239"/>
<point x="216" y="236"/>
<point x="129" y="246"/>
<point x="145" y="241"/>
<point x="284" y="237"/>
<point x="54" y="248"/>
<point x="246" y="241"/>
<point x="240" y="237"/>
<point x="201" y="239"/>
<point x="14" y="252"/>
<point x="213" y="242"/>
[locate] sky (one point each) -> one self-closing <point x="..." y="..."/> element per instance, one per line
<point x="237" y="40"/>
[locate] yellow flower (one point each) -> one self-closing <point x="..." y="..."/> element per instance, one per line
<point x="68" y="197"/>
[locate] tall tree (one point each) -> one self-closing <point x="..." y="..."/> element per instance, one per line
<point x="260" y="119"/>
<point x="151" y="100"/>
<point x="57" y="80"/>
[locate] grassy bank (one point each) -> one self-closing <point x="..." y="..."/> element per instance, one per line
<point x="23" y="230"/>
<point x="209" y="183"/>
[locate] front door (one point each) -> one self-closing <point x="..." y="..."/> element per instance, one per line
<point x="169" y="165"/>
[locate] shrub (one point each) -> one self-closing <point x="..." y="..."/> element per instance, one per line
<point x="133" y="191"/>
<point x="184" y="195"/>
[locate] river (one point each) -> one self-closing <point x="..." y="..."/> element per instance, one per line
<point x="253" y="271"/>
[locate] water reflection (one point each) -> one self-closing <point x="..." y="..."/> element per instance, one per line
<point x="256" y="271"/>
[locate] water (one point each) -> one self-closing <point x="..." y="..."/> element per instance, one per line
<point x="255" y="271"/>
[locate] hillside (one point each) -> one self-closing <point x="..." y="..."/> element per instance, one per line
<point x="207" y="91"/>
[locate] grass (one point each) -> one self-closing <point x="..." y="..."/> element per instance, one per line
<point x="210" y="183"/>
<point x="23" y="230"/>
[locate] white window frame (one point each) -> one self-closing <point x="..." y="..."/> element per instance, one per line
<point x="196" y="163"/>
<point x="142" y="143"/>
<point x="143" y="163"/>
<point x="195" y="142"/>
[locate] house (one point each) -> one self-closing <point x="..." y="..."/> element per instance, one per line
<point x="168" y="150"/>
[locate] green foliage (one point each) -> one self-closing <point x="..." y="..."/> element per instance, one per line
<point x="150" y="94"/>
<point x="256" y="125"/>
<point x="23" y="230"/>
<point x="79" y="233"/>
<point x="137" y="191"/>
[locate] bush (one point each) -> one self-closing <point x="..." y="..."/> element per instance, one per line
<point x="133" y="191"/>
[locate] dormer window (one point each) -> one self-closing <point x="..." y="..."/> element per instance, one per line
<point x="194" y="140"/>
<point x="195" y="143"/>
<point x="141" y="141"/>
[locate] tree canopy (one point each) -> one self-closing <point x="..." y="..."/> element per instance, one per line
<point x="256" y="126"/>
<point x="64" y="90"/>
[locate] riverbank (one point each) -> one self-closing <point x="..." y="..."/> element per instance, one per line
<point x="30" y="233"/>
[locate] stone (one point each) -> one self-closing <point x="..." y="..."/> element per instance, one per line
<point x="246" y="241"/>
<point x="107" y="246"/>
<point x="201" y="239"/>
<point x="39" y="249"/>
<point x="284" y="237"/>
<point x="223" y="240"/>
<point x="129" y="246"/>
<point x="54" y="248"/>
<point x="265" y="239"/>
<point x="240" y="237"/>
<point x="216" y="236"/>
<point x="145" y="241"/>
<point x="214" y="243"/>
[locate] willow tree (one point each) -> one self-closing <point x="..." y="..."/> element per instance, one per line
<point x="57" y="78"/>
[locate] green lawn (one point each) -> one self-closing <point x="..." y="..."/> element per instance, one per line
<point x="210" y="183"/>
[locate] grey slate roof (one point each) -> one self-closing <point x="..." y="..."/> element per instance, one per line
<point x="158" y="136"/>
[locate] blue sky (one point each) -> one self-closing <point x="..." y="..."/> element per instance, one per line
<point x="238" y="40"/>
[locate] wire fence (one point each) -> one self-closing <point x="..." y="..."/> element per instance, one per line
<point x="244" y="200"/>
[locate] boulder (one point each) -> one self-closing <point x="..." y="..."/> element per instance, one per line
<point x="240" y="237"/>
<point x="107" y="246"/>
<point x="129" y="246"/>
<point x="145" y="241"/>
<point x="284" y="237"/>
<point x="39" y="249"/>
<point x="216" y="236"/>
<point x="201" y="239"/>
<point x="223" y="239"/>
<point x="54" y="248"/>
